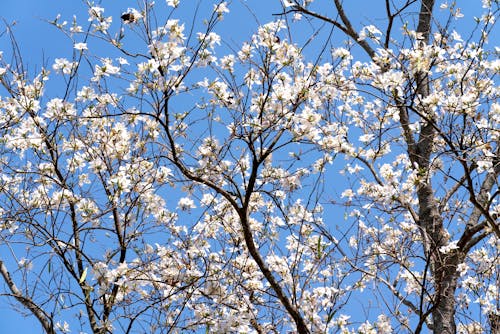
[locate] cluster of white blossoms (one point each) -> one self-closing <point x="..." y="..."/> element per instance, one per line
<point x="100" y="23"/>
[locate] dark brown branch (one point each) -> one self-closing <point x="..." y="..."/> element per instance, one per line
<point x="39" y="313"/>
<point x="346" y="26"/>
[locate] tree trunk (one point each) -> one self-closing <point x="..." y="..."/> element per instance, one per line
<point x="446" y="276"/>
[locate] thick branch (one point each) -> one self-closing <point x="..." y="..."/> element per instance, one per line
<point x="424" y="20"/>
<point x="346" y="26"/>
<point x="42" y="317"/>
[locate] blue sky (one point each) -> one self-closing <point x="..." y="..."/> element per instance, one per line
<point x="40" y="43"/>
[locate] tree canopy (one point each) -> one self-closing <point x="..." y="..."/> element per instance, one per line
<point x="167" y="177"/>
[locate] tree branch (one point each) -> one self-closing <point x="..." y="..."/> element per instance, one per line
<point x="44" y="319"/>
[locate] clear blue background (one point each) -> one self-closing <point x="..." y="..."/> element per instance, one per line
<point x="40" y="43"/>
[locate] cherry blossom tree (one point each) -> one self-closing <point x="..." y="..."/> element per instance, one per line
<point x="164" y="180"/>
